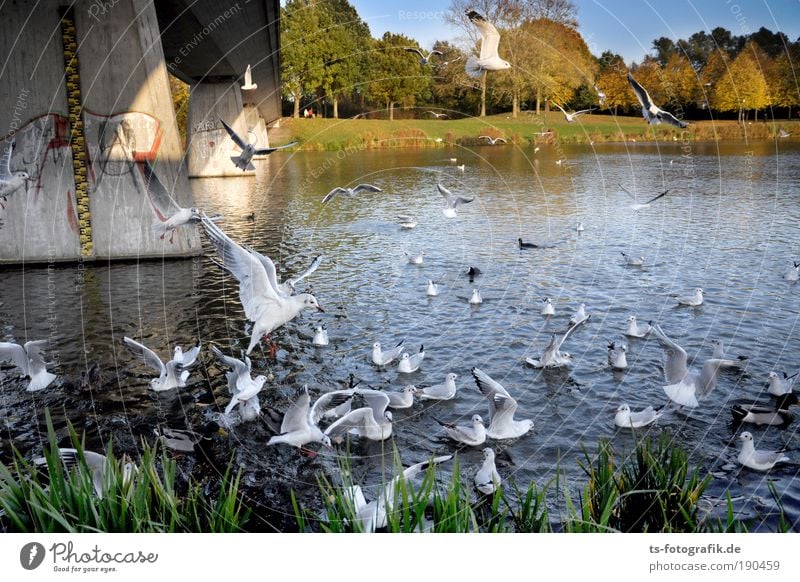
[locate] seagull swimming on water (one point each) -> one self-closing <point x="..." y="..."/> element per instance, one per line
<point x="451" y="201"/>
<point x="651" y="113"/>
<point x="473" y="435"/>
<point x="28" y="358"/>
<point x="755" y="459"/>
<point x="552" y="356"/>
<point x="409" y="364"/>
<point x="432" y="290"/>
<point x="487" y="479"/>
<point x="572" y="117"/>
<point x="265" y="304"/>
<point x="381" y="357"/>
<point x="403" y="398"/>
<point x="626" y="419"/>
<point x="793" y="273"/>
<point x="350" y="191"/>
<point x="547" y="307"/>
<point x="616" y="356"/>
<point x="488" y="60"/>
<point x="320" y="336"/>
<point x="444" y="391"/>
<point x="580" y="316"/>
<point x="636" y="330"/>
<point x="475" y="298"/>
<point x="244" y="160"/>
<point x="417" y="259"/>
<point x="300" y="423"/>
<point x="502" y="408"/>
<point x="693" y="300"/>
<point x="632" y="261"/>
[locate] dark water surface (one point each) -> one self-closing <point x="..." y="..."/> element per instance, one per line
<point x="728" y="225"/>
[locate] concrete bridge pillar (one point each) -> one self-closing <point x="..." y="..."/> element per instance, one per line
<point x="85" y="97"/>
<point x="209" y="148"/>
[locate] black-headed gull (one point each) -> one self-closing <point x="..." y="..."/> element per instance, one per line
<point x="402" y="398"/>
<point x="320" y="336"/>
<point x="626" y="419"/>
<point x="444" y="391"/>
<point x="636" y="330"/>
<point x="424" y="59"/>
<point x="373" y="422"/>
<point x="493" y="140"/>
<point x="780" y="384"/>
<point x="473" y="435"/>
<point x="719" y="352"/>
<point x="502" y="408"/>
<point x="96" y="463"/>
<point x="289" y="286"/>
<point x="411" y="363"/>
<point x="438" y="115"/>
<point x="601" y="97"/>
<point x="487" y="479"/>
<point x="10" y="181"/>
<point x="475" y="298"/>
<point x="652" y="113"/>
<point x="264" y="303"/>
<point x="172" y="374"/>
<point x="617" y="356"/>
<point x="632" y="261"/>
<point x="188" y="441"/>
<point x="758" y="460"/>
<point x="552" y="356"/>
<point x="793" y="273"/>
<point x="693" y="300"/>
<point x="382" y="357"/>
<point x="339" y="191"/>
<point x="432" y="289"/>
<point x="244" y="160"/>
<point x="451" y="201"/>
<point x="300" y="423"/>
<point x="28" y="358"/>
<point x="637" y="205"/>
<point x="488" y="60"/>
<point x="580" y="315"/>
<point x="417" y="259"/>
<point x="248" y="80"/>
<point x="547" y="307"/>
<point x="572" y="117"/>
<point x="242" y="387"/>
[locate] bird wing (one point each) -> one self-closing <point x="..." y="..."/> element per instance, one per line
<point x="333" y="193"/>
<point x="248" y="76"/>
<point x="366" y="188"/>
<point x="562" y="110"/>
<point x="676" y="367"/>
<point x="256" y="292"/>
<point x="768" y="457"/>
<point x="560" y="341"/>
<point x="148" y="356"/>
<point x="329" y="401"/>
<point x="157" y="192"/>
<point x="234" y="136"/>
<point x="444" y="192"/>
<point x="34" y="351"/>
<point x="296" y="417"/>
<point x="412" y="49"/>
<point x="489" y="388"/>
<point x="642" y="95"/>
<point x="269" y="268"/>
<point x="357" y="419"/>
<point x="582" y="111"/>
<point x="5" y="159"/>
<point x="292" y="281"/>
<point x="16" y="354"/>
<point x="664" y="193"/>
<point x="190" y="356"/>
<point x="667" y="117"/>
<point x="459" y="433"/>
<point x="628" y="192"/>
<point x="461" y="200"/>
<point x="490" y="38"/>
<point x="265" y="151"/>
<point x="435" y="52"/>
<point x="505" y="407"/>
<point x="238" y="367"/>
<point x="377" y="401"/>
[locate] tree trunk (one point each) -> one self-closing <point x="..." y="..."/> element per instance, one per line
<point x="538" y="101"/>
<point x="296" y="114"/>
<point x="336" y="108"/>
<point x="391" y="110"/>
<point x="515" y="104"/>
<point x="483" y="94"/>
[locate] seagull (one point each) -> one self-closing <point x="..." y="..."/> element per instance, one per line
<point x="288" y="286"/>
<point x="487" y="480"/>
<point x="502" y="408"/>
<point x="580" y="316"/>
<point x="188" y="441"/>
<point x="793" y="274"/>
<point x="632" y="261"/>
<point x="243" y="160"/>
<point x="571" y="117"/>
<point x="636" y="206"/>
<point x="719" y="352"/>
<point x="417" y="259"/>
<point x="493" y="140"/>
<point x="636" y="330"/>
<point x="171" y="375"/>
<point x="685" y="386"/>
<point x="616" y="356"/>
<point x="28" y="358"/>
<point x="300" y="423"/>
<point x="451" y="201"/>
<point x="693" y="300"/>
<point x="373" y="422"/>
<point x="451" y="61"/>
<point x="651" y="113"/>
<point x="758" y="460"/>
<point x="424" y="59"/>
<point x="779" y="386"/>
<point x="600" y="95"/>
<point x="10" y="183"/>
<point x="409" y="364"/>
<point x="350" y="191"/>
<point x="373" y="515"/>
<point x="761" y="415"/>
<point x="490" y="39"/>
<point x="97" y="464"/>
<point x="403" y="398"/>
<point x="783" y="133"/>
<point x="432" y="289"/>
<point x="248" y="80"/>
<point x="264" y="303"/>
<point x="181" y="217"/>
<point x="626" y="419"/>
<point x="547" y="307"/>
<point x="579" y="228"/>
<point x="407" y="222"/>
<point x="444" y="391"/>
<point x="462" y="167"/>
<point x="382" y="358"/>
<point x="552" y="356"/>
<point x="320" y="336"/>
<point x="473" y="435"/>
<point x="438" y="115"/>
<point x="475" y="298"/>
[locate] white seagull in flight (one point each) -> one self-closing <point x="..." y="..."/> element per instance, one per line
<point x="490" y="40"/>
<point x="571" y="117"/>
<point x="243" y="160"/>
<point x="652" y="113"/>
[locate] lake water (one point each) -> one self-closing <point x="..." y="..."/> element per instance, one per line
<point x="729" y="225"/>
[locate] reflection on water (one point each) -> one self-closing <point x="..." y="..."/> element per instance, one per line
<point x="728" y="225"/>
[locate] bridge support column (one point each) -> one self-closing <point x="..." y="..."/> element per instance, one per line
<point x="209" y="148"/>
<point x="94" y="128"/>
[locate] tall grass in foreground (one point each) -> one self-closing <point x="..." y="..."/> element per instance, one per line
<point x="51" y="499"/>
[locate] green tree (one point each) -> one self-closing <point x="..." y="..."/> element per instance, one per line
<point x="397" y="76"/>
<point x="302" y="61"/>
<point x="451" y="86"/>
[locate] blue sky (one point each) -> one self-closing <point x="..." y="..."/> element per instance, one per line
<point x="627" y="27"/>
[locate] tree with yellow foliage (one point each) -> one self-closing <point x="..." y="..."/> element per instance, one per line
<point x="743" y="86"/>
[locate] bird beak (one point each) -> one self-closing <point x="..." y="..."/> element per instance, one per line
<point x="319" y="307"/>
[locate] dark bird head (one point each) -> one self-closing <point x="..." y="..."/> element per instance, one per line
<point x="738" y="413"/>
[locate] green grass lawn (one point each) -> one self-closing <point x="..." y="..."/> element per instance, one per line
<point x="334" y="134"/>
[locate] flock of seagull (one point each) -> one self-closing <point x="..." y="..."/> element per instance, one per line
<point x="269" y="304"/>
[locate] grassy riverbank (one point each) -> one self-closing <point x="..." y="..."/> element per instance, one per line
<point x="335" y="134"/>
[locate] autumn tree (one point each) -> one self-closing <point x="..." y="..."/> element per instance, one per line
<point x="742" y="87"/>
<point x="613" y="81"/>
